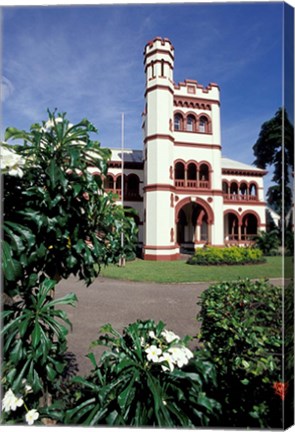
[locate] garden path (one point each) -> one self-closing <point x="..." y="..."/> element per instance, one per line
<point x="122" y="302"/>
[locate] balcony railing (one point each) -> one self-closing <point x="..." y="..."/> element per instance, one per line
<point x="192" y="184"/>
<point x="240" y="197"/>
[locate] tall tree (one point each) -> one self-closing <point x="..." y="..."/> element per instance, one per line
<point x="275" y="147"/>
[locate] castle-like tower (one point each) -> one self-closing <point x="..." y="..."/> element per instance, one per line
<point x="185" y="193"/>
<point x="182" y="144"/>
<point x="159" y="243"/>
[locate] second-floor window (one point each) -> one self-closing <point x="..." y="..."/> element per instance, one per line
<point x="177" y="122"/>
<point x="190" y="123"/>
<point x="203" y="124"/>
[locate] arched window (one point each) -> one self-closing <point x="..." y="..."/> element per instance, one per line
<point x="132" y="186"/>
<point x="192" y="175"/>
<point x="204" y="172"/>
<point x="253" y="190"/>
<point x="249" y="227"/>
<point x="231" y="227"/>
<point x="234" y="190"/>
<point x="204" y="176"/>
<point x="109" y="182"/>
<point x="203" y="124"/>
<point x="244" y="191"/>
<point x="178" y="122"/>
<point x="192" y="171"/>
<point x="190" y="123"/>
<point x="179" y="171"/>
<point x="224" y="187"/>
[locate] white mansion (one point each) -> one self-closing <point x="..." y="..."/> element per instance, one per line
<point x="185" y="193"/>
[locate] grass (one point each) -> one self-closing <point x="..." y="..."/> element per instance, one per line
<point x="180" y="272"/>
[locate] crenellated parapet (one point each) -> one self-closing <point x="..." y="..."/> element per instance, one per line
<point x="191" y="90"/>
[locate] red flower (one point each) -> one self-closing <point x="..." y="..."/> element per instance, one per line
<point x="280" y="389"/>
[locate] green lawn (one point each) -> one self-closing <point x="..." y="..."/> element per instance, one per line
<point x="179" y="271"/>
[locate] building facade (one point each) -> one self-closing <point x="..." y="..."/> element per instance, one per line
<point x="185" y="193"/>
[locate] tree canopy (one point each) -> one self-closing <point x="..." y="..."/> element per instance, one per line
<point x="275" y="147"/>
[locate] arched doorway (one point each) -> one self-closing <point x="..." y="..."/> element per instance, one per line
<point x="193" y="222"/>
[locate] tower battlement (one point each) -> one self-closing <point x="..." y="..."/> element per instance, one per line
<point x="192" y="88"/>
<point x="158" y="42"/>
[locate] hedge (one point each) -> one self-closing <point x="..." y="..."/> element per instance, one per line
<point x="233" y="255"/>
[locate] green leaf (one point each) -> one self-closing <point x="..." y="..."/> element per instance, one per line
<point x="14" y="133"/>
<point x="51" y="373"/>
<point x="36" y="334"/>
<point x="127" y="394"/>
<point x="11" y="268"/>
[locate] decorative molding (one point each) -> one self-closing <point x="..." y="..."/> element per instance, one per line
<point x="158" y="87"/>
<point x="238" y="171"/>
<point x="201" y="202"/>
<point x="198" y="145"/>
<point x="158" y="136"/>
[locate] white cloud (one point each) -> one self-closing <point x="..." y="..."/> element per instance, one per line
<point x="6" y="89"/>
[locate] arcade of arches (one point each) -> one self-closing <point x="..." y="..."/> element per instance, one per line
<point x="240" y="227"/>
<point x="194" y="225"/>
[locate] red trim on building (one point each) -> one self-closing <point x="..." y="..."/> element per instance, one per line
<point x="242" y="202"/>
<point x="154" y="257"/>
<point x="181" y="190"/>
<point x="236" y="171"/>
<point x="158" y="61"/>
<point x="199" y="201"/>
<point x="158" y="136"/>
<point x="158" y="87"/>
<point x="194" y="102"/>
<point x="197" y="145"/>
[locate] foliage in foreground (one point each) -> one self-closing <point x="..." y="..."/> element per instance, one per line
<point x="241" y="326"/>
<point x="147" y="378"/>
<point x="57" y="221"/>
<point x="69" y="225"/>
<point x="233" y="255"/>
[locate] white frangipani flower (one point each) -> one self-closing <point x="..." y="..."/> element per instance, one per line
<point x="11" y="402"/>
<point x="152" y="334"/>
<point x="153" y="353"/>
<point x="179" y="356"/>
<point x="11" y="162"/>
<point x="169" y="336"/>
<point x="32" y="416"/>
<point x="166" y="357"/>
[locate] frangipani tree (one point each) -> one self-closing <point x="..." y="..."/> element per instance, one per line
<point x="74" y="226"/>
<point x="58" y="221"/>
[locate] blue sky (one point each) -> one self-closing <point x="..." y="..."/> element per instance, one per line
<point x="88" y="62"/>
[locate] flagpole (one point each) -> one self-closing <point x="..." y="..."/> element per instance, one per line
<point x="122" y="260"/>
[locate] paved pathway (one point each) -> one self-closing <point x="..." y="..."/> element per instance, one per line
<point x="123" y="302"/>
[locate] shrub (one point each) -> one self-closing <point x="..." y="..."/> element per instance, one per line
<point x="210" y="255"/>
<point x="268" y="242"/>
<point x="242" y="329"/>
<point x="149" y="378"/>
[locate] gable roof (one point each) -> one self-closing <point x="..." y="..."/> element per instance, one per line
<point x="229" y="166"/>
